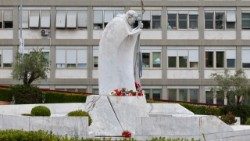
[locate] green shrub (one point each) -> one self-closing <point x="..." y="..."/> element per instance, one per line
<point x="5" y="95"/>
<point x="81" y="114"/>
<point x="248" y="121"/>
<point x="26" y="94"/>
<point x="52" y="97"/>
<point x="40" y="111"/>
<point x="242" y="111"/>
<point x="229" y="118"/>
<point x="202" y="110"/>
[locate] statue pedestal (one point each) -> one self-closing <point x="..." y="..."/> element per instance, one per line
<point x="112" y="115"/>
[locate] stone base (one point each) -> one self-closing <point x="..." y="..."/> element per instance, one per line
<point x="112" y="115"/>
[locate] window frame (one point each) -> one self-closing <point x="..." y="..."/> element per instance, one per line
<point x="151" y="61"/>
<point x="2" y="18"/>
<point x="2" y="60"/>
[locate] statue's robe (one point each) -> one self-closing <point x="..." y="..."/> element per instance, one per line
<point x="116" y="56"/>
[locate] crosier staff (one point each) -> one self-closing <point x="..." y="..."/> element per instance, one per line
<point x="138" y="56"/>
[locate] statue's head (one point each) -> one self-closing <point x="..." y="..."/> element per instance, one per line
<point x="131" y="16"/>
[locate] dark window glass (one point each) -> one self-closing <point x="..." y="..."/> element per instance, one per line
<point x="1" y="24"/>
<point x="219" y="20"/>
<point x="156" y="59"/>
<point x="172" y="21"/>
<point x="146" y="24"/>
<point x="182" y="21"/>
<point x="245" y="20"/>
<point x="230" y="63"/>
<point x="209" y="97"/>
<point x="146" y="60"/>
<point x="194" y="95"/>
<point x="8" y="24"/>
<point x="220" y="97"/>
<point x="193" y="21"/>
<point x="95" y="62"/>
<point x="219" y="59"/>
<point x="156" y="21"/>
<point x="7" y="65"/>
<point x="147" y="93"/>
<point x="209" y="24"/>
<point x="156" y="94"/>
<point x="172" y="93"/>
<point x="230" y="25"/>
<point x="209" y="59"/>
<point x="246" y="65"/>
<point x="182" y="61"/>
<point x="183" y="94"/>
<point x="171" y="61"/>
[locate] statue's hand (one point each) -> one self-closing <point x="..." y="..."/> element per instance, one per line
<point x="140" y="25"/>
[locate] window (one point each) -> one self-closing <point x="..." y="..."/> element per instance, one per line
<point x="71" y="58"/>
<point x="172" y="94"/>
<point x="182" y="20"/>
<point x="194" y="95"/>
<point x="103" y="17"/>
<point x="151" y="59"/>
<point x="35" y="19"/>
<point x="156" y="94"/>
<point x="246" y="58"/>
<point x="147" y="93"/>
<point x="209" y="97"/>
<point x="6" y="58"/>
<point x="220" y="19"/>
<point x="95" y="57"/>
<point x="183" y="93"/>
<point x="151" y="20"/>
<point x="71" y="19"/>
<point x="182" y="58"/>
<point x="221" y="59"/>
<point x="220" y="97"/>
<point x="6" y="19"/>
<point x="245" y="20"/>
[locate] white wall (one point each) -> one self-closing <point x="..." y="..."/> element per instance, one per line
<point x="32" y="34"/>
<point x="182" y="74"/>
<point x="6" y="34"/>
<point x="207" y="73"/>
<point x="152" y="74"/>
<point x="185" y="34"/>
<point x="95" y="74"/>
<point x="71" y="73"/>
<point x="71" y="34"/>
<point x="245" y="34"/>
<point x="220" y="35"/>
<point x="247" y="72"/>
<point x="151" y="34"/>
<point x="5" y="73"/>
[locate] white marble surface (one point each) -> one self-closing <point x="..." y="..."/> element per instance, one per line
<point x="70" y="126"/>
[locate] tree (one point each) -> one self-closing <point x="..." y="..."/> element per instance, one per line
<point x="30" y="67"/>
<point x="234" y="87"/>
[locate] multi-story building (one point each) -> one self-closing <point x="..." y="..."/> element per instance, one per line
<point x="183" y="42"/>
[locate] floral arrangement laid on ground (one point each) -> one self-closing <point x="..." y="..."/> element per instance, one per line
<point x="126" y="134"/>
<point x="125" y="92"/>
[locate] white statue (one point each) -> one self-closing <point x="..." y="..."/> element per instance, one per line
<point x="116" y="53"/>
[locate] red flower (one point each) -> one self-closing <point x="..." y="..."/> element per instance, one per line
<point x="140" y="94"/>
<point x="126" y="134"/>
<point x="137" y="85"/>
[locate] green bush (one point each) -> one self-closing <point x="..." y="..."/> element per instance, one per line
<point x="52" y="97"/>
<point x="202" y="110"/>
<point x="229" y="118"/>
<point x="81" y="114"/>
<point x="242" y="111"/>
<point x="40" y="111"/>
<point x="248" y="121"/>
<point x="26" y="94"/>
<point x="5" y="95"/>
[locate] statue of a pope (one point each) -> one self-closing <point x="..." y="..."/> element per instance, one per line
<point x="117" y="53"/>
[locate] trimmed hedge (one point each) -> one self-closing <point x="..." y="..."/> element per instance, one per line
<point x="80" y="113"/>
<point x="40" y="111"/>
<point x="53" y="97"/>
<point x="248" y="121"/>
<point x="202" y="110"/>
<point x="242" y="111"/>
<point x="5" y="95"/>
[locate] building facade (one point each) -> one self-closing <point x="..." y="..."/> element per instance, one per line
<point x="183" y="42"/>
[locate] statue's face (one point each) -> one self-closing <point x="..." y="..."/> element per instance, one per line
<point x="131" y="20"/>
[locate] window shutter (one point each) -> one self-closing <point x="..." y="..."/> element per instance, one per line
<point x="230" y="54"/>
<point x="97" y="17"/>
<point x="82" y="56"/>
<point x="108" y="16"/>
<point x="146" y="16"/>
<point x="60" y="56"/>
<point x="8" y="15"/>
<point x="71" y="56"/>
<point x="7" y="56"/>
<point x="193" y="56"/>
<point x="182" y="53"/>
<point x="25" y="18"/>
<point x="231" y="17"/>
<point x="71" y="19"/>
<point x="172" y="52"/>
<point x="82" y="19"/>
<point x="60" y="19"/>
<point x="45" y="19"/>
<point x="245" y="56"/>
<point x="34" y="19"/>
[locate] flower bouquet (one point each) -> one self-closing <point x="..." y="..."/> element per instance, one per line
<point x="126" y="92"/>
